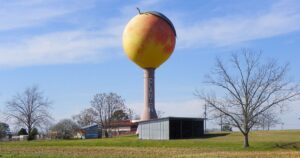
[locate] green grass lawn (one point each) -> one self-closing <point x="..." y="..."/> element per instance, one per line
<point x="263" y="144"/>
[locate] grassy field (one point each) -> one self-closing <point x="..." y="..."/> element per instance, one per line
<point x="265" y="144"/>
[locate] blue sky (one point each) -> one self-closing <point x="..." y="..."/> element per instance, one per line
<point x="72" y="49"/>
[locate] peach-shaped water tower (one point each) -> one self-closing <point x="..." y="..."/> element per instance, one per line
<point x="148" y="40"/>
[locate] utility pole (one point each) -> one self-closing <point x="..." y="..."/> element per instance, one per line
<point x="221" y="122"/>
<point x="205" y="117"/>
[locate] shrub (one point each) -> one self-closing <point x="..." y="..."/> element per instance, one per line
<point x="33" y="132"/>
<point x="22" y="132"/>
<point x="4" y="128"/>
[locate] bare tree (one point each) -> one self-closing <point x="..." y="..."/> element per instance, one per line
<point x="220" y="118"/>
<point x="268" y="119"/>
<point x="160" y="113"/>
<point x="130" y="113"/>
<point x="248" y="88"/>
<point x="105" y="105"/>
<point x="85" y="117"/>
<point x="65" y="129"/>
<point x="29" y="109"/>
<point x="122" y="114"/>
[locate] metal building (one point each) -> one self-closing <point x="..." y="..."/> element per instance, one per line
<point x="171" y="128"/>
<point x="91" y="131"/>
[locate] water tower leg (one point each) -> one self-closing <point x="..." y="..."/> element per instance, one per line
<point x="149" y="95"/>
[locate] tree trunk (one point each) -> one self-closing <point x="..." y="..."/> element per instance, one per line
<point x="221" y="123"/>
<point x="29" y="132"/>
<point x="106" y="133"/>
<point x="246" y="141"/>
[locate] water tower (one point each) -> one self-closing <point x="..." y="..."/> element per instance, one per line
<point x="148" y="40"/>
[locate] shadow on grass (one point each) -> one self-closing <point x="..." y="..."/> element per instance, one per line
<point x="293" y="145"/>
<point x="213" y="135"/>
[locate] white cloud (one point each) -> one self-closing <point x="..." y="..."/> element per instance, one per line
<point x="80" y="45"/>
<point x="69" y="46"/>
<point x="20" y="14"/>
<point x="60" y="47"/>
<point x="282" y="18"/>
<point x="47" y="47"/>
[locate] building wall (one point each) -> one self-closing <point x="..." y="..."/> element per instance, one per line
<point x="92" y="132"/>
<point x="121" y="129"/>
<point x="154" y="130"/>
<point x="171" y="128"/>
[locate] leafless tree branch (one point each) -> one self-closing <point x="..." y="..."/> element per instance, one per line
<point x="250" y="88"/>
<point x="29" y="109"/>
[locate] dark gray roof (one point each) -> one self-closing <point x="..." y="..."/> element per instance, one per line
<point x="173" y="118"/>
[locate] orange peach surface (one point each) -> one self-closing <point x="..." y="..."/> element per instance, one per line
<point x="148" y="40"/>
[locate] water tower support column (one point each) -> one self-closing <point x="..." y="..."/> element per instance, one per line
<point x="149" y="94"/>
